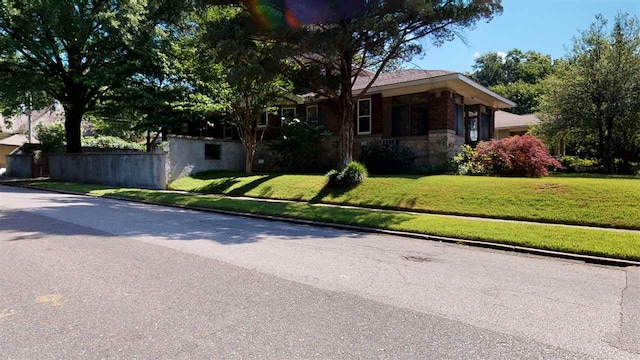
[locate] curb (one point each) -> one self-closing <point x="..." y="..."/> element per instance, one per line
<point x="592" y="259"/>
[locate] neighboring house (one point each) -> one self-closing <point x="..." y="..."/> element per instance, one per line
<point x="19" y="124"/>
<point x="431" y="111"/>
<point x="508" y="124"/>
<point x="8" y="145"/>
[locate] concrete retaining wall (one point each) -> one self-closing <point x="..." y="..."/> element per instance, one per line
<point x="187" y="156"/>
<point x="133" y="169"/>
<point x="20" y="166"/>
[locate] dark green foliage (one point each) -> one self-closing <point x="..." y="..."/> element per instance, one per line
<point x="79" y="52"/>
<point x="298" y="147"/>
<point x="111" y="142"/>
<point x="353" y="174"/>
<point x="51" y="137"/>
<point x="579" y="165"/>
<point x="514" y="75"/>
<point x="591" y="101"/>
<point x="382" y="159"/>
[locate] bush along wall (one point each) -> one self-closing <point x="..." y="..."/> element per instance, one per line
<point x="383" y="159"/>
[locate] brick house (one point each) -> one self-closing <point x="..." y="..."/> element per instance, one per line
<point x="433" y="112"/>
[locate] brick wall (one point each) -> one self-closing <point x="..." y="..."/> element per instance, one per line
<point x="441" y="110"/>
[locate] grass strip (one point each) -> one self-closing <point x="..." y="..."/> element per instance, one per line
<point x="613" y="244"/>
<point x="604" y="202"/>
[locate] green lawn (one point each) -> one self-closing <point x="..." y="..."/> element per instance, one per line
<point x="608" y="202"/>
<point x="608" y="243"/>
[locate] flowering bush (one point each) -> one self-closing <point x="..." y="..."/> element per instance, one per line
<point x="516" y="156"/>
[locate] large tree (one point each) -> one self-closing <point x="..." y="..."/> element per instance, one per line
<point x="594" y="93"/>
<point x="242" y="73"/>
<point x="78" y="51"/>
<point x="337" y="42"/>
<point x="516" y="75"/>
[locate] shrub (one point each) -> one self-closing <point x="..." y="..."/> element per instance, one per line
<point x="516" y="156"/>
<point x="465" y="162"/>
<point x="111" y="142"/>
<point x="52" y="137"/>
<point x="332" y="178"/>
<point x="579" y="165"/>
<point x="388" y="159"/>
<point x="353" y="174"/>
<point x="298" y="146"/>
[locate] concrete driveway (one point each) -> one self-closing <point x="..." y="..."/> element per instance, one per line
<point x="84" y="277"/>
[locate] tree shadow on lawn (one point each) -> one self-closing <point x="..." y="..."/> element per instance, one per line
<point x="223" y="183"/>
<point x="400" y="203"/>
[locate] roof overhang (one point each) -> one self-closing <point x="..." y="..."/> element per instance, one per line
<point x="473" y="92"/>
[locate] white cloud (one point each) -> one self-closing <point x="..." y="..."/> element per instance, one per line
<point x="476" y="55"/>
<point x="503" y="55"/>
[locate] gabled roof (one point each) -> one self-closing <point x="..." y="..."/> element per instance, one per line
<point x="507" y="120"/>
<point x="17" y="140"/>
<point x="396" y="77"/>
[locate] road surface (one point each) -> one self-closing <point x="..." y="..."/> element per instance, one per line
<point x="84" y="277"/>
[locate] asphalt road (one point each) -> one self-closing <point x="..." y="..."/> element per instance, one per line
<point x="95" y="278"/>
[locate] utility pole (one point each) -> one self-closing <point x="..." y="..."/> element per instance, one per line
<point x="29" y="115"/>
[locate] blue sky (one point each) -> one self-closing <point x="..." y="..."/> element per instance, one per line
<point x="546" y="26"/>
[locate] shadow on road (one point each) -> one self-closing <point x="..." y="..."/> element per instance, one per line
<point x="41" y="212"/>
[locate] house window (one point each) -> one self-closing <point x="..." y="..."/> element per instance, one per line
<point x="364" y="116"/>
<point x="312" y="113"/>
<point x="459" y="114"/>
<point x="212" y="151"/>
<point x="264" y="120"/>
<point x="228" y="132"/>
<point x="485" y="133"/>
<point x="409" y="115"/>
<point x="288" y="114"/>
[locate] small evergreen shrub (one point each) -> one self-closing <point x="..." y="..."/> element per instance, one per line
<point x="385" y="159"/>
<point x="516" y="156"/>
<point x="353" y="174"/>
<point x="332" y="178"/>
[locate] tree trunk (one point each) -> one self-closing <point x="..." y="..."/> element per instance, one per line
<point x="345" y="155"/>
<point x="73" y="119"/>
<point x="608" y="161"/>
<point x="345" y="147"/>
<point x="248" y="165"/>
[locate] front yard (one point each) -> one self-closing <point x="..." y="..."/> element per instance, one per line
<point x="606" y="202"/>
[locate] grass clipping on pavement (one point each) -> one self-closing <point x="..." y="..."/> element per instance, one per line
<point x="607" y="243"/>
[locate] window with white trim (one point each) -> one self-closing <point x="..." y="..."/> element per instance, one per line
<point x="264" y="120"/>
<point x="364" y="116"/>
<point x="287" y="114"/>
<point x="312" y="113"/>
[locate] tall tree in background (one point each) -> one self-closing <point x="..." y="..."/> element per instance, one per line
<point x="337" y="42"/>
<point x="516" y="75"/>
<point x="77" y="51"/>
<point x="594" y="93"/>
